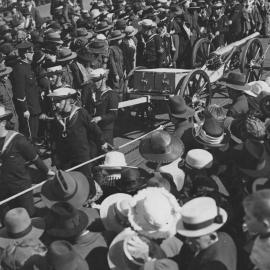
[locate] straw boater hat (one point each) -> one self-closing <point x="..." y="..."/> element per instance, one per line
<point x="82" y="32"/>
<point x="65" y="55"/>
<point x="154" y="213"/>
<point x="114" y="160"/>
<point x="236" y="81"/>
<point x="211" y="133"/>
<point x="160" y="146"/>
<point x="218" y="4"/>
<point x="114" y="212"/>
<point x="198" y="159"/>
<point x="53" y="37"/>
<point x="19" y="226"/>
<point x="97" y="75"/>
<point x="71" y="187"/>
<point x="201" y="216"/>
<point x="5" y="114"/>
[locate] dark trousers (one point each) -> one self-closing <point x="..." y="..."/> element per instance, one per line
<point x="29" y="128"/>
<point x="26" y="201"/>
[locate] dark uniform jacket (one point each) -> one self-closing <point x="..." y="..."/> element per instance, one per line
<point x="222" y="255"/>
<point x="149" y="51"/>
<point x="25" y="89"/>
<point x="106" y="106"/>
<point x="79" y="143"/>
<point x="14" y="172"/>
<point x="235" y="30"/>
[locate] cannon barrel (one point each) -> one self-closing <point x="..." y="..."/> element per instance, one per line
<point x="239" y="43"/>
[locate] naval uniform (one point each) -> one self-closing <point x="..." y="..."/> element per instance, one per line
<point x="26" y="95"/>
<point x="15" y="152"/>
<point x="76" y="140"/>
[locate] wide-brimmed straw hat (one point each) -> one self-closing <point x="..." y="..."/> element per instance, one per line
<point x="154" y="213"/>
<point x="64" y="221"/>
<point x="64" y="55"/>
<point x="5" y="114"/>
<point x="160" y="146"/>
<point x="53" y="37"/>
<point x="116" y="35"/>
<point x="211" y="133"/>
<point x="114" y="212"/>
<point x="130" y="31"/>
<point x="103" y="26"/>
<point x="201" y="216"/>
<point x="97" y="75"/>
<point x="237" y="81"/>
<point x="55" y="70"/>
<point x="114" y="160"/>
<point x="82" y="32"/>
<point x="19" y="226"/>
<point x="218" y="4"/>
<point x="179" y="108"/>
<point x="62" y="255"/>
<point x="71" y="187"/>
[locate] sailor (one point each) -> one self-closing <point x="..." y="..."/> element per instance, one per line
<point x="75" y="137"/>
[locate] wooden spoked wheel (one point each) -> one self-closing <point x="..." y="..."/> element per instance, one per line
<point x="201" y="50"/>
<point x="251" y="61"/>
<point x="196" y="89"/>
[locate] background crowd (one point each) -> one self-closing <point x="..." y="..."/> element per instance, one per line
<point x="200" y="201"/>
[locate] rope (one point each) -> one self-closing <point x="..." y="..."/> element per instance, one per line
<point x="78" y="166"/>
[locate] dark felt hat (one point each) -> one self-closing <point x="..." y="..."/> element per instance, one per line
<point x="103" y="26"/>
<point x="65" y="54"/>
<point x="64" y="221"/>
<point x="98" y="46"/>
<point x="160" y="146"/>
<point x="179" y="109"/>
<point x="116" y="35"/>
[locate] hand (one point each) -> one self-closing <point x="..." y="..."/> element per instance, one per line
<point x="43" y="116"/>
<point x="50" y="173"/>
<point x="26" y="114"/>
<point x="137" y="248"/>
<point x="96" y="119"/>
<point x="104" y="147"/>
<point x="217" y="33"/>
<point x="117" y="78"/>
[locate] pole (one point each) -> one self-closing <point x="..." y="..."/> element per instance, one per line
<point x="76" y="167"/>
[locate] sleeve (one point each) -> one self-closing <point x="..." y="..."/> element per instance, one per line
<point x="19" y="85"/>
<point x="213" y="265"/>
<point x="37" y="18"/>
<point x="29" y="153"/>
<point x="93" y="130"/>
<point x="112" y="62"/>
<point x="159" y="49"/>
<point x="175" y="40"/>
<point x="112" y="112"/>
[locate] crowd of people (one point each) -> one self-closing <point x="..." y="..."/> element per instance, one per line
<point x="200" y="200"/>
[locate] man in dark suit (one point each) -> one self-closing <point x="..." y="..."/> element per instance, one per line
<point x="26" y="92"/>
<point x="204" y="248"/>
<point x="34" y="13"/>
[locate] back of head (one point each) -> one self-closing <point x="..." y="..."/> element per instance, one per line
<point x="259" y="203"/>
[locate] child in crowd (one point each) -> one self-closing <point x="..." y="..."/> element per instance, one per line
<point x="257" y="219"/>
